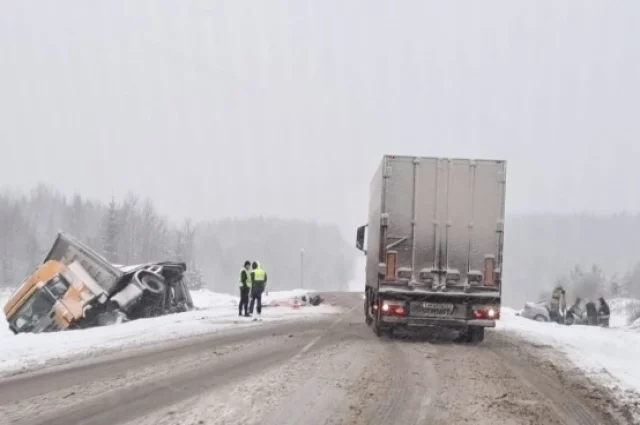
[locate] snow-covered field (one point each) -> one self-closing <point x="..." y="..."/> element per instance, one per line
<point x="607" y="355"/>
<point x="215" y="312"/>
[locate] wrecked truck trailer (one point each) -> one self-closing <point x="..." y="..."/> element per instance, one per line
<point x="77" y="288"/>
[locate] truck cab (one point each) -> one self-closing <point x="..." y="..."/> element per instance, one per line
<point x="53" y="298"/>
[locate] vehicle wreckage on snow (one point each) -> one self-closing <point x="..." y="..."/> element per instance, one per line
<point x="76" y="288"/>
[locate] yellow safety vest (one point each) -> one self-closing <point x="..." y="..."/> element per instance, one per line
<point x="258" y="274"/>
<point x="248" y="272"/>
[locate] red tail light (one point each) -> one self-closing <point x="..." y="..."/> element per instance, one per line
<point x="393" y="309"/>
<point x="490" y="313"/>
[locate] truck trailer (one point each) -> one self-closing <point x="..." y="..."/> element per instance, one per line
<point x="77" y="288"/>
<point x="434" y="244"/>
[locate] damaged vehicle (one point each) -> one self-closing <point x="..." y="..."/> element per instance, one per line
<point x="77" y="288"/>
<point x="535" y="311"/>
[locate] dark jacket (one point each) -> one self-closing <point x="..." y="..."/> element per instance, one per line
<point x="244" y="279"/>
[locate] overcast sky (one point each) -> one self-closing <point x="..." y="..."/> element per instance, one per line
<point x="284" y="108"/>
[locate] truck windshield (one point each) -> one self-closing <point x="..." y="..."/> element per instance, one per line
<point x="36" y="308"/>
<point x="58" y="286"/>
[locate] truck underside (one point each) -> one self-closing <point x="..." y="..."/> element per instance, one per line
<point x="150" y="290"/>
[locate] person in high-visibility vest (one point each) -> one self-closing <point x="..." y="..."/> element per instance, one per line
<point x="245" y="287"/>
<point x="258" y="285"/>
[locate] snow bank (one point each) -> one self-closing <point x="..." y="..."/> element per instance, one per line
<point x="609" y="355"/>
<point x="623" y="311"/>
<point x="215" y="312"/>
<point x="273" y="299"/>
<point x="203" y="298"/>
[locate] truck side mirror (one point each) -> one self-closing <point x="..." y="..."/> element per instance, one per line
<point x="360" y="238"/>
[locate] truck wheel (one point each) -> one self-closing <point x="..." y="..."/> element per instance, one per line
<point x="152" y="283"/>
<point x="475" y="334"/>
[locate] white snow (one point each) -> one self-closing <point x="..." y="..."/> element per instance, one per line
<point x="608" y="355"/>
<point x="203" y="298"/>
<point x="214" y="312"/>
<point x="273" y="299"/>
<point x="623" y="311"/>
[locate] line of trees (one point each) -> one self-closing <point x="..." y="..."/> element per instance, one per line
<point x="591" y="283"/>
<point x="538" y="248"/>
<point x="131" y="231"/>
<point x="542" y="249"/>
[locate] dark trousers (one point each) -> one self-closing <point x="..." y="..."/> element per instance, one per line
<point x="555" y="316"/>
<point x="244" y="299"/>
<point x="256" y="297"/>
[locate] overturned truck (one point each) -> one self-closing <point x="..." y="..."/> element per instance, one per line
<point x="77" y="288"/>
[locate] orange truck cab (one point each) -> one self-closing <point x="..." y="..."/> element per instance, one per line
<point x="52" y="298"/>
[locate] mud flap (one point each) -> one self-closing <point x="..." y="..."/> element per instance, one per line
<point x="472" y="335"/>
<point x="367" y="310"/>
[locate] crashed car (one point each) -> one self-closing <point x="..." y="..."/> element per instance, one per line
<point x="535" y="311"/>
<point x="77" y="288"/>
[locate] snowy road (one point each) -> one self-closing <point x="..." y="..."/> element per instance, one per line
<point x="326" y="370"/>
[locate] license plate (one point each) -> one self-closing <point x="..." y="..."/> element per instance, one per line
<point x="433" y="309"/>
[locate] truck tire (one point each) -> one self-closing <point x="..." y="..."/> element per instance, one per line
<point x="475" y="334"/>
<point x="376" y="326"/>
<point x="152" y="283"/>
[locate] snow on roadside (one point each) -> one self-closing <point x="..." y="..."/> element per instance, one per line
<point x="284" y="297"/>
<point x="203" y="298"/>
<point x="207" y="299"/>
<point x="623" y="311"/>
<point x="215" y="312"/>
<point x="608" y="355"/>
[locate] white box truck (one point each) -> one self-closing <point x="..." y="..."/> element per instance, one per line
<point x="434" y="244"/>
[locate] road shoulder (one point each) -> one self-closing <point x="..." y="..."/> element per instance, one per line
<point x="553" y="371"/>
